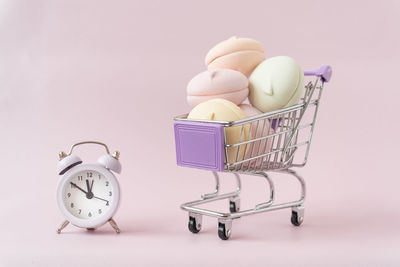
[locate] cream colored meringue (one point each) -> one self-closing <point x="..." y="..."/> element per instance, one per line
<point x="276" y="83"/>
<point x="224" y="110"/>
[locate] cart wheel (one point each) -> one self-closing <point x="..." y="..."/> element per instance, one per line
<point x="224" y="230"/>
<point x="193" y="225"/>
<point x="296" y="219"/>
<point x="234" y="204"/>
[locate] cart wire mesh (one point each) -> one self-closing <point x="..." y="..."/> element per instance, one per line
<point x="270" y="141"/>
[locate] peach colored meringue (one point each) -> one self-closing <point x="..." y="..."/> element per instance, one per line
<point x="241" y="54"/>
<point x="220" y="83"/>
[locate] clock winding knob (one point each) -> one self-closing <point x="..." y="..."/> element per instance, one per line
<point x="116" y="155"/>
<point x="62" y="155"/>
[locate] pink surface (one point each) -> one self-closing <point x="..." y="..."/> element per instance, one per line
<point x="117" y="71"/>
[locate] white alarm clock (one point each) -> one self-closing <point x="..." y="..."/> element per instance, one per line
<point x="88" y="194"/>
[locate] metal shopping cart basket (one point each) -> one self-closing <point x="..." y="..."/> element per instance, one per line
<point x="280" y="140"/>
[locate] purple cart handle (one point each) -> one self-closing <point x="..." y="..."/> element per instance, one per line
<point x="325" y="72"/>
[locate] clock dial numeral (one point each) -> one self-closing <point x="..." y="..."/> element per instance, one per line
<point x="89" y="174"/>
<point x="79" y="211"/>
<point x="107" y="203"/>
<point x="107" y="183"/>
<point x="80" y="178"/>
<point x="100" y="211"/>
<point x="110" y="193"/>
<point x="69" y="194"/>
<point x="99" y="176"/>
<point x="90" y="214"/>
<point x="72" y="205"/>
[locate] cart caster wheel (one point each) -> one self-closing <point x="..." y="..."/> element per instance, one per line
<point x="297" y="216"/>
<point x="234" y="205"/>
<point x="194" y="224"/>
<point x="224" y="230"/>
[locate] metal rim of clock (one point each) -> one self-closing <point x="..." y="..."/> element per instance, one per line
<point x="89" y="223"/>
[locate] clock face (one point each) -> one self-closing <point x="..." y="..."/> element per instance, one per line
<point x="88" y="194"/>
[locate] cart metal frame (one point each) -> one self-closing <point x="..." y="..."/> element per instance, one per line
<point x="273" y="149"/>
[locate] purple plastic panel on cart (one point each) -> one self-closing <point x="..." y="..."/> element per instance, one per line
<point x="199" y="145"/>
<point x="325" y="72"/>
<point x="276" y="123"/>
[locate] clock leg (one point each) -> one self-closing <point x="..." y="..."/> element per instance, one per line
<point x="63" y="225"/>
<point x="114" y="225"/>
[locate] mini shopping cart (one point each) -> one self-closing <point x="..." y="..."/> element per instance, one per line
<point x="280" y="140"/>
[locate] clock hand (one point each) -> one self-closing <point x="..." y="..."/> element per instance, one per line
<point x="87" y="186"/>
<point x="91" y="186"/>
<point x="78" y="187"/>
<point x="101" y="198"/>
<point x="89" y="194"/>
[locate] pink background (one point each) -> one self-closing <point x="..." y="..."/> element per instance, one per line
<point x="116" y="71"/>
